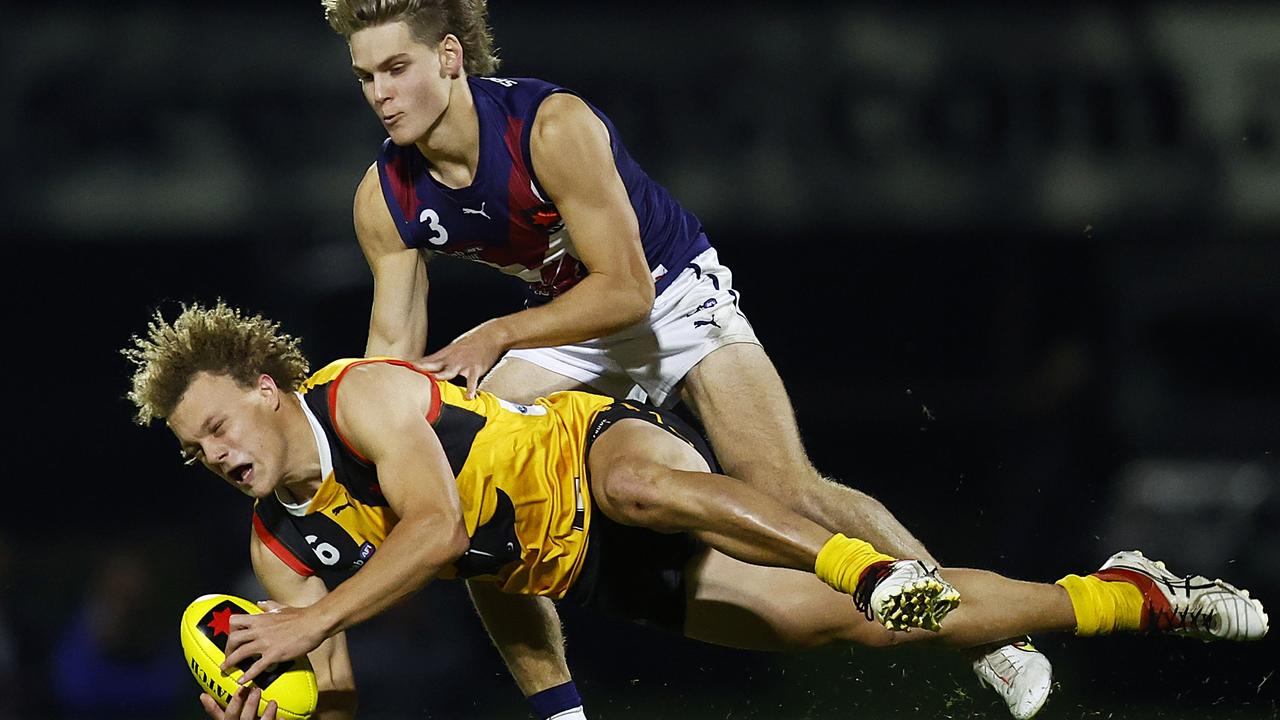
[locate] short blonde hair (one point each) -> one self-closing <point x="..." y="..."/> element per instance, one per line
<point x="429" y="20"/>
<point x="220" y="340"/>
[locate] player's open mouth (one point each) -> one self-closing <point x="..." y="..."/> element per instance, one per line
<point x="392" y="119"/>
<point x="242" y="474"/>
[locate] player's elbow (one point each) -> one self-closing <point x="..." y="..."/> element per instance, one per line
<point x="439" y="537"/>
<point x="397" y="342"/>
<point x="380" y="345"/>
<point x="449" y="539"/>
<point x="457" y="542"/>
<point x="640" y="297"/>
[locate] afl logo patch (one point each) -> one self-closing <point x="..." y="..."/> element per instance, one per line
<point x="522" y="409"/>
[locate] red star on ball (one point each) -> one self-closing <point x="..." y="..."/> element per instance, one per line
<point x="221" y="622"/>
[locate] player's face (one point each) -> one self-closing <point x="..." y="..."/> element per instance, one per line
<point x="406" y="82"/>
<point x="234" y="431"/>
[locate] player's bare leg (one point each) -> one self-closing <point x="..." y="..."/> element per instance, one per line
<point x="740" y="398"/>
<point x="642" y="475"/>
<point x="749" y="606"/>
<point x="525" y="628"/>
<point x="760" y="608"/>
<point x="757" y="399"/>
<point x="749" y="420"/>
<point x="521" y="381"/>
<point x="743" y="402"/>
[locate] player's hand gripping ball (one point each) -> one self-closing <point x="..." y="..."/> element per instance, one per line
<point x="206" y="624"/>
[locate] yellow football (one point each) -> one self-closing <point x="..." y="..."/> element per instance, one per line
<point x="206" y="624"/>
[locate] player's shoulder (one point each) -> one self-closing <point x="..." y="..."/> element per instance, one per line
<point x="370" y="176"/>
<point x="518" y="97"/>
<point x="329" y="373"/>
<point x="563" y="119"/>
<point x="378" y="372"/>
<point x="563" y="107"/>
<point x="382" y="383"/>
<point x="511" y="86"/>
<point x="369" y="189"/>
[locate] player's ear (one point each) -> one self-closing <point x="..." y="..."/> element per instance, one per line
<point x="452" y="57"/>
<point x="268" y="389"/>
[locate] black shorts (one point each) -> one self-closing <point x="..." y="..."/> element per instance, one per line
<point x="630" y="572"/>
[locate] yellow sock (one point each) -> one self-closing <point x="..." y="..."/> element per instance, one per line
<point x="842" y="561"/>
<point x="1103" y="607"/>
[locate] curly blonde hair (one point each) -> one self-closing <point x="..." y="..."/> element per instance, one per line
<point x="429" y="20"/>
<point x="220" y="340"/>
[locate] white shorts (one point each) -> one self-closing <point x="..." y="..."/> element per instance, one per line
<point x="696" y="314"/>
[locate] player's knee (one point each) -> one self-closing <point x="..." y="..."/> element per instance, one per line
<point x="633" y="492"/>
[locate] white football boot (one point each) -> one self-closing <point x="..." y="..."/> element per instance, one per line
<point x="905" y="594"/>
<point x="1020" y="674"/>
<point x="1191" y="606"/>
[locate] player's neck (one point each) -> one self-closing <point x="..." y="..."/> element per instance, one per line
<point x="303" y="473"/>
<point x="452" y="144"/>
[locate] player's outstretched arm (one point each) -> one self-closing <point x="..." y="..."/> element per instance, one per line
<point x="381" y="412"/>
<point x="526" y="631"/>
<point x="573" y="159"/>
<point x="331" y="662"/>
<point x="398" y="321"/>
<point x="335" y="678"/>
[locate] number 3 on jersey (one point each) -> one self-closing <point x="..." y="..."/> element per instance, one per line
<point x="432" y="219"/>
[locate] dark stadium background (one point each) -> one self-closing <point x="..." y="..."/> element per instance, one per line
<point x="1019" y="270"/>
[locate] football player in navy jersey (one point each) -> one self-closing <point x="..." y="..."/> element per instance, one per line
<point x="625" y="290"/>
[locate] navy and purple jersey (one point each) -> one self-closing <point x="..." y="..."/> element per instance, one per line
<point x="505" y="219"/>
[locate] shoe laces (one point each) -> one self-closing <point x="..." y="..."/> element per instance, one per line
<point x="871" y="577"/>
<point x="1003" y="667"/>
<point x="1192" y="615"/>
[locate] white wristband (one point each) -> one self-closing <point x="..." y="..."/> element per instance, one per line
<point x="571" y="714"/>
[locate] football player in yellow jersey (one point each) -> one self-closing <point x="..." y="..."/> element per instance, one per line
<point x="397" y="439"/>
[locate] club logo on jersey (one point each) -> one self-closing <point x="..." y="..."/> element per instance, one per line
<point x="522" y="409"/>
<point x="494" y="544"/>
<point x="710" y="303"/>
<point x="545" y="217"/>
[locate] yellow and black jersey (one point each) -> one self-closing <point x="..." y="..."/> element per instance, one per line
<point x="520" y="473"/>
